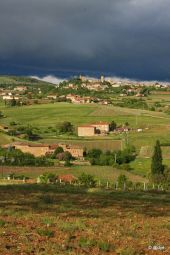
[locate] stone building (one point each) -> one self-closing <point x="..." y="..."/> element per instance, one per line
<point x="43" y="149"/>
<point x="94" y="129"/>
<point x="86" y="130"/>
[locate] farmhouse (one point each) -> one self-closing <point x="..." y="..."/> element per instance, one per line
<point x="86" y="130"/>
<point x="75" y="150"/>
<point x="20" y="88"/>
<point x="9" y="97"/>
<point x="36" y="149"/>
<point x="53" y="97"/>
<point x="43" y="149"/>
<point x="94" y="129"/>
<point x="77" y="99"/>
<point x="102" y="126"/>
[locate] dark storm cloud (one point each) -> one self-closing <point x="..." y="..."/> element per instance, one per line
<point x="124" y="37"/>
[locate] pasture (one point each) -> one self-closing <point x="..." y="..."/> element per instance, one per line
<point x="155" y="125"/>
<point x="47" y="117"/>
<point x="103" y="173"/>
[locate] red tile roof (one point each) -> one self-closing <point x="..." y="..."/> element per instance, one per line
<point x="67" y="178"/>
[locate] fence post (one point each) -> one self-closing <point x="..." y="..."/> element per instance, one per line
<point x="124" y="186"/>
<point x="144" y="186"/>
<point x="107" y="185"/>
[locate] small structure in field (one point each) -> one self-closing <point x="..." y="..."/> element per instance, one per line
<point x="67" y="178"/>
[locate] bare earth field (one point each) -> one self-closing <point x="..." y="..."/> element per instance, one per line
<point x="41" y="220"/>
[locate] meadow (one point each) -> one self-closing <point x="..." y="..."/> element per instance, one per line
<point x="47" y="117"/>
<point x="155" y="125"/>
<point x="102" y="173"/>
<point x="40" y="220"/>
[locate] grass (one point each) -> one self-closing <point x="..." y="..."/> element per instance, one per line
<point x="4" y="139"/>
<point x="47" y="117"/>
<point x="89" y="223"/>
<point x="142" y="166"/>
<point x="103" y="173"/>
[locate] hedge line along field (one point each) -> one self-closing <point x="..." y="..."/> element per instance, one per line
<point x="40" y="220"/>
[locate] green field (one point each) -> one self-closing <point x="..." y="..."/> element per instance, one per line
<point x="103" y="173"/>
<point x="156" y="125"/>
<point x="4" y="139"/>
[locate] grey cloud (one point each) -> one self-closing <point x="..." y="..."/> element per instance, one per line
<point x="125" y="37"/>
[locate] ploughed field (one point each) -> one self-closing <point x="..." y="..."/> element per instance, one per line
<point x="42" y="220"/>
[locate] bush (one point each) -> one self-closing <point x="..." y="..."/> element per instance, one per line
<point x="57" y="151"/>
<point x="47" y="177"/>
<point x="66" y="127"/>
<point x="122" y="179"/>
<point x="87" y="180"/>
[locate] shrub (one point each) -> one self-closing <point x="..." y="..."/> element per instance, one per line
<point x="122" y="179"/>
<point x="47" y="177"/>
<point x="87" y="180"/>
<point x="66" y="127"/>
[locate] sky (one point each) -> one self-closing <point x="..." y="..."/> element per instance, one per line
<point x="125" y="38"/>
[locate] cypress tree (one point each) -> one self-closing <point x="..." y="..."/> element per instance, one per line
<point x="157" y="167"/>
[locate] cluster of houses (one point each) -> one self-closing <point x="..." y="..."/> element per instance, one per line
<point x="39" y="150"/>
<point x="12" y="94"/>
<point x="78" y="99"/>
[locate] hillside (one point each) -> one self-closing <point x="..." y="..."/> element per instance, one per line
<point x="18" y="80"/>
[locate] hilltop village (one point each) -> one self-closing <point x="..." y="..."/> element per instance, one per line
<point x="81" y="90"/>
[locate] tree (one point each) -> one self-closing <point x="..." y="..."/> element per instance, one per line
<point x="94" y="153"/>
<point x="157" y="168"/>
<point x="87" y="180"/>
<point x="65" y="156"/>
<point x="47" y="177"/>
<point x="66" y="127"/>
<point x="122" y="179"/>
<point x="57" y="151"/>
<point x="113" y="125"/>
